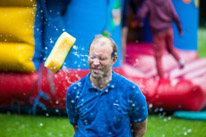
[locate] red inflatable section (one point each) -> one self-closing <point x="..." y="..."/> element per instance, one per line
<point x="182" y="90"/>
<point x="17" y="88"/>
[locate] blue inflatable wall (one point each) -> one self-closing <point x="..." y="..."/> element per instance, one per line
<point x="83" y="20"/>
<point x="189" y="17"/>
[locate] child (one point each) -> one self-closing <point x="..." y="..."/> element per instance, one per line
<point x="161" y="13"/>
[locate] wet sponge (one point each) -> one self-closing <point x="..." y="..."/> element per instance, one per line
<point x="59" y="52"/>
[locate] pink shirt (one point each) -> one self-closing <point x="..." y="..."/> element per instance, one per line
<point x="161" y="13"/>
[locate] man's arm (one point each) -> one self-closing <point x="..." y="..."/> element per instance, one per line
<point x="70" y="107"/>
<point x="75" y="127"/>
<point x="139" y="128"/>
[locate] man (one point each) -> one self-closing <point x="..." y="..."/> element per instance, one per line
<point x="103" y="103"/>
<point x="161" y="13"/>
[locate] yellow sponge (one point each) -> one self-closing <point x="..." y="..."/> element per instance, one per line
<point x="59" y="52"/>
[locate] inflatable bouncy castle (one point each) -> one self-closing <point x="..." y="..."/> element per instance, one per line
<point x="29" y="30"/>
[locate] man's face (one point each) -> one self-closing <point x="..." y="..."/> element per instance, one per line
<point x="100" y="60"/>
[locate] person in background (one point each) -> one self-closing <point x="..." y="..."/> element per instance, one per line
<point x="126" y="4"/>
<point x="104" y="103"/>
<point x="161" y="13"/>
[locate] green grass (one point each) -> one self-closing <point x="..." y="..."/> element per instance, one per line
<point x="39" y="126"/>
<point x="168" y="126"/>
<point x="202" y="42"/>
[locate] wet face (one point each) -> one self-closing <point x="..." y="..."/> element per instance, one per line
<point x="100" y="60"/>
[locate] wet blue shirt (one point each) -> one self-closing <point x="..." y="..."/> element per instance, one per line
<point x="105" y="113"/>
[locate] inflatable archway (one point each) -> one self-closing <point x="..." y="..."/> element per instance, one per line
<point x="30" y="29"/>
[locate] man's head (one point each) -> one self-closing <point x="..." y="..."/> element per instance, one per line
<point x="102" y="55"/>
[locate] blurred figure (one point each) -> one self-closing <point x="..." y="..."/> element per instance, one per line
<point x="161" y="13"/>
<point x="126" y="4"/>
<point x="104" y="103"/>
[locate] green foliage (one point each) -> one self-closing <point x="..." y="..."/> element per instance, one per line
<point x="202" y="42"/>
<point x="39" y="126"/>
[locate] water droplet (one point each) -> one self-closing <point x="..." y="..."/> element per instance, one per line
<point x="51" y="41"/>
<point x="75" y="47"/>
<point x="57" y="110"/>
<point x="189" y="130"/>
<point x="57" y="102"/>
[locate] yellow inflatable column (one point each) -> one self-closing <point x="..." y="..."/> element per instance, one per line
<point x="17" y="35"/>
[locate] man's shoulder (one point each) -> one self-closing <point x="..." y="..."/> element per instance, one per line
<point x="128" y="87"/>
<point x="124" y="83"/>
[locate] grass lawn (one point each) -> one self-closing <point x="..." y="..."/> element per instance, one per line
<point x="34" y="126"/>
<point x="42" y="126"/>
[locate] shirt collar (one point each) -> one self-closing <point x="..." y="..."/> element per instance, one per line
<point x="88" y="83"/>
